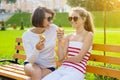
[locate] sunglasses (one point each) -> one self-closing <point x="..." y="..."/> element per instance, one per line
<point x="75" y="18"/>
<point x="49" y="18"/>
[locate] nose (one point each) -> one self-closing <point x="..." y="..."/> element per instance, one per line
<point x="72" y="20"/>
<point x="51" y="21"/>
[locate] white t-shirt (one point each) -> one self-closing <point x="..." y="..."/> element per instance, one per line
<point x="46" y="57"/>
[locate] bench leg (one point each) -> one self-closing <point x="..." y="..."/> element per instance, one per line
<point x="5" y="78"/>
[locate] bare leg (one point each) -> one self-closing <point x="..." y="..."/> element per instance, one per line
<point x="28" y="78"/>
<point x="35" y="72"/>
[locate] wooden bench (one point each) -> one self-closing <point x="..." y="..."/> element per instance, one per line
<point x="15" y="71"/>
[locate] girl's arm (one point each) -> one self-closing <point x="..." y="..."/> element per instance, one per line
<point x="62" y="48"/>
<point x="86" y="46"/>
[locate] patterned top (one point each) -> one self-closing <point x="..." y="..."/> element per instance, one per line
<point x="73" y="50"/>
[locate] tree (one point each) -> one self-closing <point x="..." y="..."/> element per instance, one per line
<point x="73" y="3"/>
<point x="8" y="1"/>
<point x="96" y="5"/>
<point x="11" y="1"/>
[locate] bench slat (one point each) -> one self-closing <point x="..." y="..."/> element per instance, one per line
<point x="18" y="47"/>
<point x="20" y="56"/>
<point x="103" y="71"/>
<point x="13" y="67"/>
<point x="13" y="75"/>
<point x="105" y="59"/>
<point x="17" y="65"/>
<point x="107" y="48"/>
<point x="93" y="57"/>
<point x="12" y="70"/>
<point x="19" y="40"/>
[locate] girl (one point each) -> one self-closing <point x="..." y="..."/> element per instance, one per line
<point x="77" y="45"/>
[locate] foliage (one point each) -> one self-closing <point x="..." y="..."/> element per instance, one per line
<point x="62" y="19"/>
<point x="18" y="18"/>
<point x="95" y="5"/>
<point x="22" y="25"/>
<point x="11" y="1"/>
<point x="2" y="26"/>
<point x="74" y="3"/>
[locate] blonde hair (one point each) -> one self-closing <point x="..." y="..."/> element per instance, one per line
<point x="89" y="25"/>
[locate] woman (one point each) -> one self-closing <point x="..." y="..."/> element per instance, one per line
<point x="39" y="43"/>
<point x="77" y="45"/>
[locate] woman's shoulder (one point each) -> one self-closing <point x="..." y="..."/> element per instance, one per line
<point x="27" y="33"/>
<point x="54" y="26"/>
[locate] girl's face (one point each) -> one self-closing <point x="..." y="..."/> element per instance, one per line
<point x="75" y="19"/>
<point x="47" y="20"/>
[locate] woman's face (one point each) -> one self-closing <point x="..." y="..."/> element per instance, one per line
<point x="47" y="20"/>
<point x="75" y="19"/>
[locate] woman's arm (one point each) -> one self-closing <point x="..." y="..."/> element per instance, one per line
<point x="31" y="51"/>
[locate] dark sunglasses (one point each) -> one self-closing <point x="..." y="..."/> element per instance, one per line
<point x="75" y="18"/>
<point x="49" y="18"/>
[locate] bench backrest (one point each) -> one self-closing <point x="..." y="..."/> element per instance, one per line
<point x="102" y="54"/>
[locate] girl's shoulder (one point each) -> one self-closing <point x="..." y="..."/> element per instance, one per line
<point x="67" y="37"/>
<point x="89" y="34"/>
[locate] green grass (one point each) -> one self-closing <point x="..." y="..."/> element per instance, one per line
<point x="112" y="37"/>
<point x="7" y="40"/>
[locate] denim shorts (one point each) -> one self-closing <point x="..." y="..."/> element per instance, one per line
<point x="50" y="68"/>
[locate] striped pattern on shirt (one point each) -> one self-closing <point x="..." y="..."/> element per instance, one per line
<point x="73" y="50"/>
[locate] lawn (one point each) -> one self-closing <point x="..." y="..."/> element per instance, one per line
<point x="7" y="40"/>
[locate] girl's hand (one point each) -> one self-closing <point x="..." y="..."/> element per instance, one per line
<point x="73" y="59"/>
<point x="60" y="34"/>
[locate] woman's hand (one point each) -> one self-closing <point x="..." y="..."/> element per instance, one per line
<point x="40" y="45"/>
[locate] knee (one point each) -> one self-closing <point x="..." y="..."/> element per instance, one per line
<point x="32" y="69"/>
<point x="27" y="69"/>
